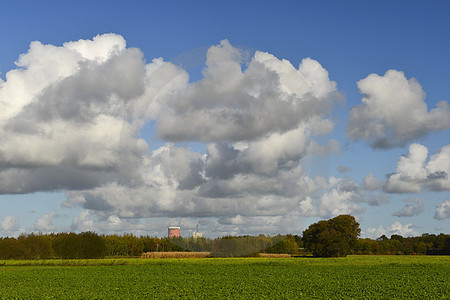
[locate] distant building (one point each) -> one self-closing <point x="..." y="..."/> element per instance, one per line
<point x="196" y="234"/>
<point x="174" y="232"/>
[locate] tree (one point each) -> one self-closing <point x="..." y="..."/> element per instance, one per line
<point x="288" y="244"/>
<point x="91" y="245"/>
<point x="83" y="245"/>
<point x="66" y="245"/>
<point x="332" y="238"/>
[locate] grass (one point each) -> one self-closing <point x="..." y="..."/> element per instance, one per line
<point x="176" y="254"/>
<point x="274" y="255"/>
<point x="354" y="277"/>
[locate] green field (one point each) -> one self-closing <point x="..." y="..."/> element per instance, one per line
<point x="353" y="277"/>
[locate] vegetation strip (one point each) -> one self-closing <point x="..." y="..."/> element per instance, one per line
<point x="353" y="277"/>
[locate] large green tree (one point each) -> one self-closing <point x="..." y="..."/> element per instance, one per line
<point x="332" y="238"/>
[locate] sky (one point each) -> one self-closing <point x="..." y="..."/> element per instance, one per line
<point x="241" y="117"/>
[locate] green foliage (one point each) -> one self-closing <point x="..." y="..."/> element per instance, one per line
<point x="32" y="246"/>
<point x="11" y="248"/>
<point x="430" y="244"/>
<point x="83" y="245"/>
<point x="354" y="277"/>
<point x="288" y="244"/>
<point x="124" y="245"/>
<point x="230" y="246"/>
<point x="332" y="238"/>
<point x="90" y="245"/>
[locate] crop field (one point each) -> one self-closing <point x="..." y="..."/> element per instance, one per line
<point x="353" y="277"/>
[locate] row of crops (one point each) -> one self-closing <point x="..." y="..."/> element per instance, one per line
<point x="356" y="277"/>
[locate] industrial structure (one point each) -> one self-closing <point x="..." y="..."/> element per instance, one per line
<point x="174" y="232"/>
<point x="196" y="234"/>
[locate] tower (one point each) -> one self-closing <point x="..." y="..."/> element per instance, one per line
<point x="173" y="232"/>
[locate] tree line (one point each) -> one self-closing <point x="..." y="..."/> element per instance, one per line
<point x="339" y="237"/>
<point x="328" y="238"/>
<point x="91" y="245"/>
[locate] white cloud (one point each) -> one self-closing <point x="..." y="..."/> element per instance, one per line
<point x="371" y="183"/>
<point x="10" y="223"/>
<point x="83" y="222"/>
<point x="228" y="104"/>
<point x="438" y="169"/>
<point x="71" y="119"/>
<point x="100" y="48"/>
<point x="403" y="230"/>
<point x="413" y="207"/>
<point x="45" y="223"/>
<point x="413" y="173"/>
<point x="442" y="210"/>
<point x="46" y="65"/>
<point x="63" y="114"/>
<point x="375" y="232"/>
<point x="223" y="182"/>
<point x="10" y="226"/>
<point x="394" y="112"/>
<point x="340" y="197"/>
<point x="72" y="114"/>
<point x="396" y="228"/>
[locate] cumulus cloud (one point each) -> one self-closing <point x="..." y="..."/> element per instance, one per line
<point x="10" y="226"/>
<point x="442" y="210"/>
<point x="371" y="183"/>
<point x="403" y="230"/>
<point x="83" y="222"/>
<point x="414" y="173"/>
<point x="413" y="207"/>
<point x="75" y="118"/>
<point x="261" y="120"/>
<point x="341" y="196"/>
<point x="225" y="181"/>
<point x="396" y="228"/>
<point x="394" y="111"/>
<point x="377" y="199"/>
<point x="230" y="104"/>
<point x="73" y="113"/>
<point x="10" y="223"/>
<point x="63" y="114"/>
<point x="45" y="222"/>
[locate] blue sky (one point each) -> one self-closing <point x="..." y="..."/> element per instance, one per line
<point x="230" y="172"/>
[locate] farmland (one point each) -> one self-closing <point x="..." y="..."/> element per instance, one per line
<point x="363" y="277"/>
